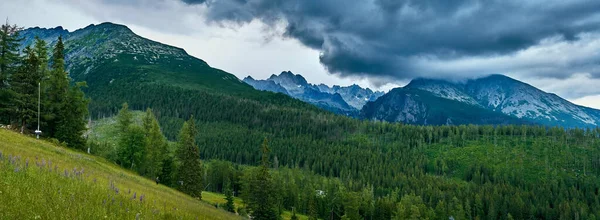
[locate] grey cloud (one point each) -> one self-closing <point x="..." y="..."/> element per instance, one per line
<point x="384" y="38"/>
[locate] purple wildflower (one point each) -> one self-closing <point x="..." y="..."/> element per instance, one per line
<point x="66" y="173"/>
<point x="17" y="169"/>
<point x="142" y="198"/>
<point x="134" y="194"/>
<point x="27" y="163"/>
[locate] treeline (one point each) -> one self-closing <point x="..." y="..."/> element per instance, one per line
<point x="544" y="172"/>
<point x="409" y="172"/>
<point x="31" y="72"/>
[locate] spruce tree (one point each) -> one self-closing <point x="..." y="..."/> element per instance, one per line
<point x="25" y="84"/>
<point x="9" y="61"/>
<point x="190" y="168"/>
<point x="259" y="190"/>
<point x="229" y="206"/>
<point x="68" y="105"/>
<point x="56" y="89"/>
<point x="72" y="126"/>
<point x="9" y="51"/>
<point x="156" y="146"/>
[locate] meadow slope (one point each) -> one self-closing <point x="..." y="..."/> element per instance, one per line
<point x="41" y="180"/>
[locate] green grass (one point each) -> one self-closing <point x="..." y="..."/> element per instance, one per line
<point x="33" y="192"/>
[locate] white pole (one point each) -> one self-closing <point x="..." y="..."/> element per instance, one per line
<point x="39" y="100"/>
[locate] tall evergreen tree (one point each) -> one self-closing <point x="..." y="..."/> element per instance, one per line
<point x="229" y="206"/>
<point x="25" y="84"/>
<point x="9" y="61"/>
<point x="9" y="51"/>
<point x="190" y="168"/>
<point x="156" y="146"/>
<point x="72" y="126"/>
<point x="259" y="193"/>
<point x="56" y="88"/>
<point x="68" y="105"/>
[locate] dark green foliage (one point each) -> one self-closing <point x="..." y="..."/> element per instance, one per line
<point x="25" y="83"/>
<point x="167" y="171"/>
<point x="124" y="118"/>
<point x="131" y="148"/>
<point x="9" y="62"/>
<point x="9" y="52"/>
<point x="72" y="124"/>
<point x="190" y="168"/>
<point x="229" y="206"/>
<point x="156" y="146"/>
<point x="259" y="194"/>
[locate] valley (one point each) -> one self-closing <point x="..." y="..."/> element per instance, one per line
<point x="487" y="148"/>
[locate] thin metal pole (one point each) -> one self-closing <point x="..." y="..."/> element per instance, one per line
<point x="39" y="100"/>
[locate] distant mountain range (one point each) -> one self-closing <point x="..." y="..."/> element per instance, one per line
<point x="347" y="100"/>
<point x="121" y="66"/>
<point x="495" y="99"/>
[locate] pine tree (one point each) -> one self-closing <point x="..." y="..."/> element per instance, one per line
<point x="9" y="51"/>
<point x="72" y="126"/>
<point x="229" y="206"/>
<point x="25" y="84"/>
<point x="68" y="105"/>
<point x="190" y="169"/>
<point x="167" y="170"/>
<point x="56" y="89"/>
<point x="156" y="146"/>
<point x="258" y="190"/>
<point x="9" y="62"/>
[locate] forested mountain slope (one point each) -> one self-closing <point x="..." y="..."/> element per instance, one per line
<point x="120" y="66"/>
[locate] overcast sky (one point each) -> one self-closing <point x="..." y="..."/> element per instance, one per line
<point x="551" y="44"/>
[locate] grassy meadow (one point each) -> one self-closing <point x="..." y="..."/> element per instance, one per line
<point x="43" y="181"/>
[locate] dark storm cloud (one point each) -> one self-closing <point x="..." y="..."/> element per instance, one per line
<point x="385" y="37"/>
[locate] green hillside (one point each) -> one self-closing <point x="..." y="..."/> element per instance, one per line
<point x="43" y="181"/>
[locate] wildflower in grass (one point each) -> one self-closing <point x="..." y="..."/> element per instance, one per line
<point x="129" y="191"/>
<point x="66" y="173"/>
<point x="117" y="190"/>
<point x="1" y="158"/>
<point x="141" y="198"/>
<point x="104" y="202"/>
<point x="94" y="179"/>
<point x="137" y="216"/>
<point x="17" y="169"/>
<point x="134" y="194"/>
<point x="27" y="163"/>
